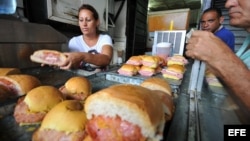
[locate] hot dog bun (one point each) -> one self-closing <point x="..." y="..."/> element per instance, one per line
<point x="49" y="57"/>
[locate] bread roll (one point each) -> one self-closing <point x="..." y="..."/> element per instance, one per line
<point x="150" y="61"/>
<point x="49" y="57"/>
<point x="135" y="107"/>
<point x="147" y="71"/>
<point x="77" y="87"/>
<point x="66" y="121"/>
<point x="173" y="72"/>
<point x="162" y="88"/>
<point x="156" y="83"/>
<point x="128" y="70"/>
<point x="135" y="60"/>
<point x="34" y="106"/>
<point x="177" y="59"/>
<point x="19" y="84"/>
<point x="8" y="71"/>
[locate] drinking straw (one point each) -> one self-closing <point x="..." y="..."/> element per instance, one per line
<point x="171" y="25"/>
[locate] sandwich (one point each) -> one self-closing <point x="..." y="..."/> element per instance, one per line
<point x="65" y="122"/>
<point x="157" y="83"/>
<point x="163" y="89"/>
<point x="9" y="71"/>
<point x="32" y="108"/>
<point x="150" y="61"/>
<point x="174" y="71"/>
<point x="177" y="59"/>
<point x="77" y="87"/>
<point x="124" y="112"/>
<point x="48" y="57"/>
<point x="147" y="71"/>
<point x="19" y="84"/>
<point x="128" y="70"/>
<point x="135" y="60"/>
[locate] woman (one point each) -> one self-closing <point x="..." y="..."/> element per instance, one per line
<point x="90" y="51"/>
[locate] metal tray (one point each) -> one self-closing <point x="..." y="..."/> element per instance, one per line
<point x="11" y="131"/>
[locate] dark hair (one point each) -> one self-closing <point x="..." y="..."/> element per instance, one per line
<point x="90" y="8"/>
<point x="217" y="10"/>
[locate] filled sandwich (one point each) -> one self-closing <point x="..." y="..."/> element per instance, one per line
<point x="174" y="71"/>
<point x="32" y="108"/>
<point x="65" y="122"/>
<point x="77" y="87"/>
<point x="151" y="61"/>
<point x="135" y="60"/>
<point x="162" y="88"/>
<point x="147" y="71"/>
<point x="128" y="70"/>
<point x="48" y="57"/>
<point x="19" y="84"/>
<point x="124" y="112"/>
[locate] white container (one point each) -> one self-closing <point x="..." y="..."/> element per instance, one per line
<point x="164" y="50"/>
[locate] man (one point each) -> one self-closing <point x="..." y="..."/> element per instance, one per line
<point x="211" y="20"/>
<point x="206" y="47"/>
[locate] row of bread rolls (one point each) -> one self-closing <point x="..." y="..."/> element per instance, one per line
<point x="175" y="68"/>
<point x="119" y="112"/>
<point x="57" y="114"/>
<point x="32" y="107"/>
<point x="144" y="65"/>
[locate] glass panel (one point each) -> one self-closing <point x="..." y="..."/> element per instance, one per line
<point x="7" y="6"/>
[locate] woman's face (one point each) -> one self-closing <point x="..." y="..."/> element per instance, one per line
<point x="88" y="24"/>
<point x="239" y="13"/>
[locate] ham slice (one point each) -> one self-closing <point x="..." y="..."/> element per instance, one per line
<point x="49" y="57"/>
<point x="102" y="128"/>
<point x="23" y="115"/>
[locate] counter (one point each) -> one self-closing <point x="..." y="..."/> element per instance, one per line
<point x="198" y="116"/>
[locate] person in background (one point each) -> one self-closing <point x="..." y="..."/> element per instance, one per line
<point x="211" y="20"/>
<point x="91" y="51"/>
<point x="205" y="46"/>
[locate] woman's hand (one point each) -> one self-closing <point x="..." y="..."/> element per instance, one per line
<point x="73" y="60"/>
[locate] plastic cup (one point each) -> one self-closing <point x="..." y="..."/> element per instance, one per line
<point x="164" y="50"/>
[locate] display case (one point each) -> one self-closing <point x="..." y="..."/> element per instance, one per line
<point x="197" y="116"/>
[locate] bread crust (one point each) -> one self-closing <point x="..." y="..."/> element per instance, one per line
<point x="67" y="116"/>
<point x="49" y="57"/>
<point x="77" y="87"/>
<point x="135" y="104"/>
<point x="22" y="83"/>
<point x="43" y="98"/>
<point x="128" y="69"/>
<point x="64" y="121"/>
<point x="9" y="71"/>
<point x="156" y="83"/>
